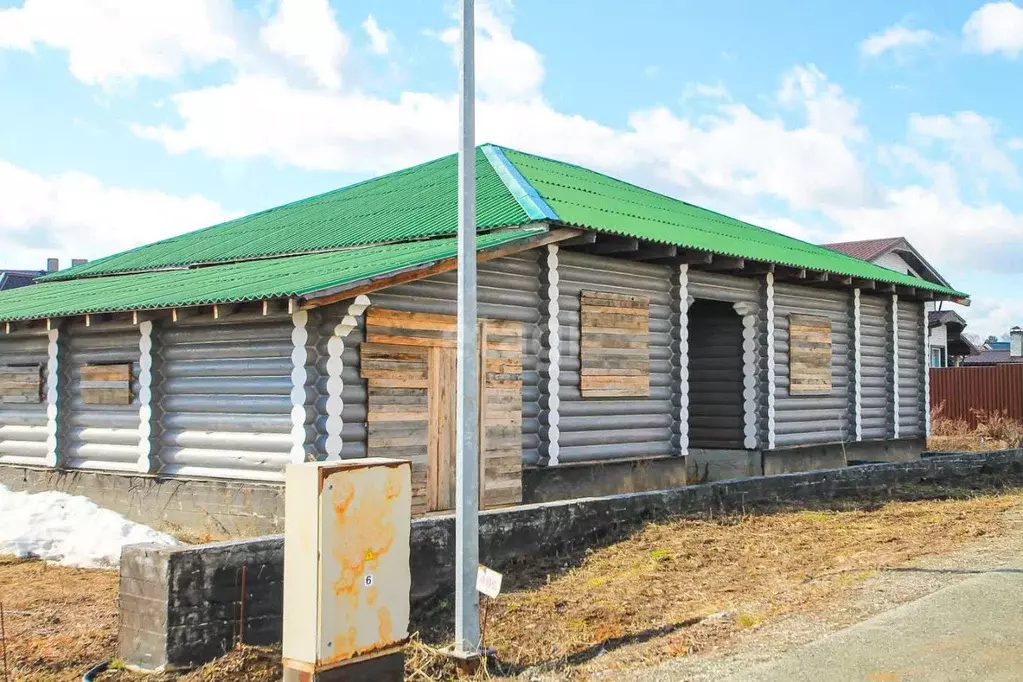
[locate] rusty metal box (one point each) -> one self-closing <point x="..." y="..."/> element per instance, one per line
<point x="346" y="561"/>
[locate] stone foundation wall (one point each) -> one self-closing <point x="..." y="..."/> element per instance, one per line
<point x="194" y="508"/>
<point x="181" y="606"/>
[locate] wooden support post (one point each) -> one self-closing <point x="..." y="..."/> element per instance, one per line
<point x="584" y="239"/>
<point x="725" y="263"/>
<point x="614" y="245"/>
<point x="697" y="257"/>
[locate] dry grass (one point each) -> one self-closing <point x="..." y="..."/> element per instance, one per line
<point x="649" y="597"/>
<point x="58" y="621"/>
<point x="666" y="590"/>
<point x="994" y="431"/>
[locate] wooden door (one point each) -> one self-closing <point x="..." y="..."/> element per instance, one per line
<point x="410" y="364"/>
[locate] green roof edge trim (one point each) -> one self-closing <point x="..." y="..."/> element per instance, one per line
<point x="603" y="203"/>
<point x="527" y="196"/>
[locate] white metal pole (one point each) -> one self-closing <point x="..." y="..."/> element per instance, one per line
<point x="467" y="615"/>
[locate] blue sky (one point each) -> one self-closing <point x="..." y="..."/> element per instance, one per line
<point x="121" y="125"/>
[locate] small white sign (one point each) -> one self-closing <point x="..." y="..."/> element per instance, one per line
<point x="488" y="581"/>
<point x="368" y="580"/>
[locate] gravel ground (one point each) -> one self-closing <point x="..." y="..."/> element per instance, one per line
<point x="885" y="590"/>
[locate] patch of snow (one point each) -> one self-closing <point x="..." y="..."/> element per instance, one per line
<point x="68" y="529"/>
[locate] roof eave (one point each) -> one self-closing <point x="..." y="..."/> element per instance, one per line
<point x="349" y="290"/>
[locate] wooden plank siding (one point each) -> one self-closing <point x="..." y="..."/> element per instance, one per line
<point x="500" y="413"/>
<point x="106" y="384"/>
<point x="809" y="354"/>
<point x="614" y="345"/>
<point x="21" y="384"/>
<point x="410" y="363"/>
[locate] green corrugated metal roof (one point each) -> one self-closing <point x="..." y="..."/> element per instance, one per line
<point x="413" y="211"/>
<point x="415" y="203"/>
<point x="585" y="198"/>
<point x="291" y="276"/>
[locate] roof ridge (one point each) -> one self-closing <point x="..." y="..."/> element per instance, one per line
<point x="864" y="241"/>
<point x="520" y="188"/>
<point x="718" y="215"/>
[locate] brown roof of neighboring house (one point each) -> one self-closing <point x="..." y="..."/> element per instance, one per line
<point x="939" y="317"/>
<point x="872" y="249"/>
<point x="866" y="249"/>
<point x="12" y="279"/>
<point x="992" y="357"/>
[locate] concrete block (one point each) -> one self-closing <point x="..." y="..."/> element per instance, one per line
<point x="705" y="466"/>
<point x="572" y="481"/>
<point x="802" y="459"/>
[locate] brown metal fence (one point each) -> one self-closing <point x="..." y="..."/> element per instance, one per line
<point x="963" y="392"/>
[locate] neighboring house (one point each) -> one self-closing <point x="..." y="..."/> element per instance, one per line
<point x="946" y="344"/>
<point x="12" y="279"/>
<point x="623" y="336"/>
<point x="949" y="348"/>
<point x="1000" y="352"/>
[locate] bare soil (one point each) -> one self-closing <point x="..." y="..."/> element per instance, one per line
<point x="661" y="591"/>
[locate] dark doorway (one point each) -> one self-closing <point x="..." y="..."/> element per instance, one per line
<point x="715" y="376"/>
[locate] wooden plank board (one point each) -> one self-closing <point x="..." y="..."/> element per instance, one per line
<point x="614" y="358"/>
<point x="607" y="298"/>
<point x="397" y="416"/>
<point x="810" y="354"/>
<point x="106" y="384"/>
<point x="500" y="414"/>
<point x="21" y="384"/>
<point x="441" y="452"/>
<point x="409" y="360"/>
<point x="614" y="387"/>
<point x="121" y="372"/>
<point x="394" y="366"/>
<point x="411" y="329"/>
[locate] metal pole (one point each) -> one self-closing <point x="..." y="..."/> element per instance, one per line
<point x="467" y="615"/>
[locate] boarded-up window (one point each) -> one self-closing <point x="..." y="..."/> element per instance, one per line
<point x="809" y="354"/>
<point x="614" y="345"/>
<point x="106" y="384"/>
<point x="409" y="362"/>
<point x="21" y="384"/>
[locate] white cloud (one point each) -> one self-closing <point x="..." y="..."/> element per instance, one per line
<point x="265" y="116"/>
<point x="992" y="316"/>
<point x="110" y="42"/>
<point x="379" y="40"/>
<point x="733" y="154"/>
<point x="307" y="33"/>
<point x="73" y="215"/>
<point x="970" y="138"/>
<point x="506" y="68"/>
<point x="895" y="38"/>
<point x="995" y="27"/>
<point x="706" y="90"/>
<point x="956" y="235"/>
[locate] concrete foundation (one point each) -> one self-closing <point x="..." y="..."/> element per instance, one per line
<point x="209" y="509"/>
<point x="586" y="479"/>
<point x="705" y="466"/>
<point x="198" y="509"/>
<point x="181" y="606"/>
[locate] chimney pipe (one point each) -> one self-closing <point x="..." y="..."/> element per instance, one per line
<point x="52" y="264"/>
<point x="1015" y="342"/>
<point x="79" y="261"/>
